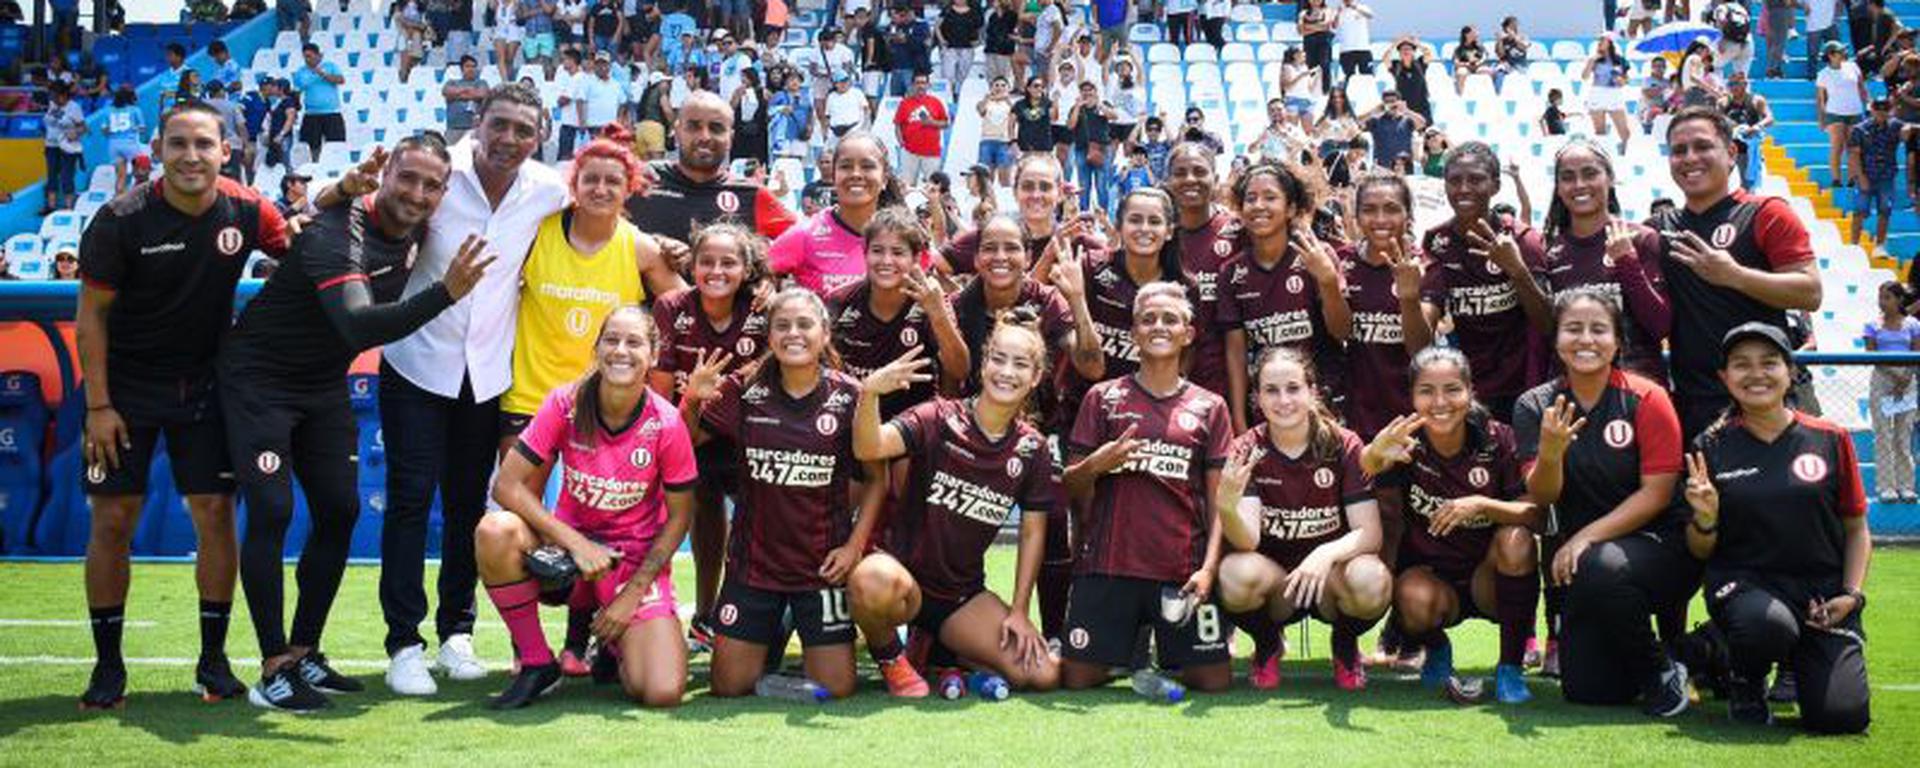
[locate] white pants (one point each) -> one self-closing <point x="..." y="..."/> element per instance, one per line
<point x="1892" y="435"/>
<point x="915" y="168"/>
<point x="955" y="63"/>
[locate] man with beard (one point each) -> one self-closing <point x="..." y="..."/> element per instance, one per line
<point x="696" y="188"/>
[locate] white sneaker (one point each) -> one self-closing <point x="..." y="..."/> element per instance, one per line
<point x="458" y="661"/>
<point x="407" y="673"/>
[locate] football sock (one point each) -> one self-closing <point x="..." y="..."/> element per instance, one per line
<point x="519" y="605"/>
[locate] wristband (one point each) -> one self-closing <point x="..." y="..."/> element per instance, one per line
<point x="1859" y="599"/>
<point x="1706" y="530"/>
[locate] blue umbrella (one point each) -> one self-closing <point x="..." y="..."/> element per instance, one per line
<point x="1674" y="38"/>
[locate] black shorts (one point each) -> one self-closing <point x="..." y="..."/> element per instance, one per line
<point x="1118" y="132"/>
<point x="512" y="424"/>
<point x="265" y="419"/>
<point x="1460" y="581"/>
<point x="1062" y="135"/>
<point x="319" y="129"/>
<point x="1105" y="614"/>
<point x="753" y="615"/>
<point x="716" y="462"/>
<point x="196" y="442"/>
<point x="934" y="612"/>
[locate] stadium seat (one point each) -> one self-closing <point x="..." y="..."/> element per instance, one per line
<point x="1271" y="51"/>
<point x="23" y="431"/>
<point x="1247" y="13"/>
<point x="1163" y="53"/>
<point x="62" y="224"/>
<point x="1285" y="32"/>
<point x="1143" y="34"/>
<point x="1202" y="53"/>
<point x="1250" y="33"/>
<point x="1569" y="50"/>
<point x="1236" y="52"/>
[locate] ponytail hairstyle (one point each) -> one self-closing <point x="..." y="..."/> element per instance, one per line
<point x="1477" y="414"/>
<point x="766" y="369"/>
<point x="1020" y="320"/>
<point x="891" y="193"/>
<point x="585" y="416"/>
<point x="1558" y="217"/>
<point x="1323" y="428"/>
<point x="1171" y="267"/>
<point x="751" y="248"/>
<point x="899" y="222"/>
<point x="616" y="144"/>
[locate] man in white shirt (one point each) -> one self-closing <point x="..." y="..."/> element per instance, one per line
<point x="566" y="82"/>
<point x="440" y="388"/>
<point x="598" y="96"/>
<point x="1353" y="30"/>
<point x="731" y="62"/>
<point x="847" y="107"/>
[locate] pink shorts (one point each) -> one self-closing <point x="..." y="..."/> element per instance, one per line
<point x="587" y="595"/>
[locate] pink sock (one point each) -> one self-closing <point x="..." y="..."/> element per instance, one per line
<point x="519" y="605"/>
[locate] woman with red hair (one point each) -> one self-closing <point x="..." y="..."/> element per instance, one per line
<point x="585" y="262"/>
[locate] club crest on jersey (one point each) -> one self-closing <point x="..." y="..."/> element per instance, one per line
<point x="1078" y="637"/>
<point x="1810" y="467"/>
<point x="1492" y="268"/>
<point x="640" y="457"/>
<point x="827" y="424"/>
<point x="755" y="394"/>
<point x="1014" y="466"/>
<point x="1187" y="421"/>
<point x="910" y="336"/>
<point x="1723" y="235"/>
<point x="1296" y="284"/>
<point x="267" y="462"/>
<point x="578" y="319"/>
<point x="1323" y="477"/>
<point x="1618" y="434"/>
<point x="1479" y="477"/>
<point x="729" y="614"/>
<point x="97" y="474"/>
<point x="727" y="201"/>
<point x="1106" y="278"/>
<point x="682" y="323"/>
<point x="229" y="241"/>
<point x="744" y="347"/>
<point x="1221" y="247"/>
<point x="1606" y="260"/>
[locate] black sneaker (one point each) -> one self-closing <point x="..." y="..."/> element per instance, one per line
<point x="1704" y="652"/>
<point x="1747" y="702"/>
<point x="213" y="680"/>
<point x="1666" y="694"/>
<point x="106" y="688"/>
<point x="1786" y="687"/>
<point x="286" y="691"/>
<point x="314" y="669"/>
<point x="530" y="684"/>
<point x="605" y="668"/>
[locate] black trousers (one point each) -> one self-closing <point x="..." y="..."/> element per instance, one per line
<point x="276" y="433"/>
<point x="1352" y="62"/>
<point x="1607" y="644"/>
<point x="433" y="443"/>
<point x="1764" y="619"/>
<point x="1319" y="50"/>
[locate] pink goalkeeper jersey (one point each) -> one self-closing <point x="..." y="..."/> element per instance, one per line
<point x="821" y="253"/>
<point x="612" y="491"/>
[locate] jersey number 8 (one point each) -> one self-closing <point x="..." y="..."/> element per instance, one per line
<point x="1206" y="623"/>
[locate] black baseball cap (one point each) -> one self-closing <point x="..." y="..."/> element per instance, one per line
<point x="1767" y="332"/>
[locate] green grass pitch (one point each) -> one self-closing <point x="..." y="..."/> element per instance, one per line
<point x="44" y="648"/>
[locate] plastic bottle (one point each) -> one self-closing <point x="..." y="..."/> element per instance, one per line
<point x="952" y="684"/>
<point x="790" y="688"/>
<point x="1152" y="685"/>
<point x="989" y="686"/>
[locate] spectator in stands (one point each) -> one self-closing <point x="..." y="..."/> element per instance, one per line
<point x="1840" y="96"/>
<point x="1352" y="26"/>
<point x="1089" y="124"/>
<point x="1751" y="117"/>
<point x="1300" y="83"/>
<point x="254" y="106"/>
<point x="998" y="130"/>
<point x="1606" y="73"/>
<point x="789" y="119"/>
<point x="1180" y="20"/>
<point x="463" y="95"/>
<point x="1891" y="394"/>
<point x="291" y="15"/>
<point x="293" y="193"/>
<point x="1153" y="137"/>
<point x="1873" y="32"/>
<point x="508" y="36"/>
<point x="66" y="262"/>
<point x="11" y="13"/>
<point x="570" y="25"/>
<point x="170" y="80"/>
<point x="226" y="71"/>
<point x="283" y="113"/>
<point x="1392" y="126"/>
<point x="1033" y="119"/>
<point x="749" y="102"/>
<point x="410" y="17"/>
<point x="1735" y="23"/>
<point x="1315" y="23"/>
<point x="597" y="97"/>
<point x="1469" y="57"/>
<point x="829" y="56"/>
<point x="1196" y="131"/>
<point x="919" y="121"/>
<point x="1820" y="30"/>
<point x="818" y="194"/>
<point x="1409" y="70"/>
<point x="1657" y="93"/>
<point x="126" y="134"/>
<point x="1283" y="138"/>
<point x="1776" y="26"/>
<point x="957" y="34"/>
<point x="1213" y="21"/>
<point x="568" y="82"/>
<point x="847" y="108"/>
<point x="536" y="24"/>
<point x="1049" y="29"/>
<point x="1873" y="157"/>
<point x="1433" y="153"/>
<point x="1700" y="83"/>
<point x="1000" y="38"/>
<point x="1337" y="126"/>
<point x="319" y="86"/>
<point x="234" y="127"/>
<point x="907" y="40"/>
<point x="65" y="125"/>
<point x="652" y="114"/>
<point x="1553" y="120"/>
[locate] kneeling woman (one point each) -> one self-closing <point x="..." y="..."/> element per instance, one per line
<point x="626" y="500"/>
<point x="1780" y="518"/>
<point x="1467" y="549"/>
<point x="790" y="421"/>
<point x="1602" y="447"/>
<point x="1301" y="518"/>
<point x="970" y="464"/>
<point x="1142" y="462"/>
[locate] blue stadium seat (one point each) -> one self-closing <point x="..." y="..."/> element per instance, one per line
<point x="23" y="432"/>
<point x="62" y="527"/>
<point x="363" y="390"/>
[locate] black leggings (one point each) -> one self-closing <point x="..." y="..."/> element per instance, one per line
<point x="1764" y="619"/>
<point x="275" y="432"/>
<point x="1607" y="646"/>
<point x="1319" y="50"/>
<point x="1215" y="30"/>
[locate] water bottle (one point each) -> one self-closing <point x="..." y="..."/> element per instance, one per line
<point x="989" y="686"/>
<point x="1152" y="685"/>
<point x="790" y="688"/>
<point x="952" y="684"/>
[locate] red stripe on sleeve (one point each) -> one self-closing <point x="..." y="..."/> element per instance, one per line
<point x="350" y="277"/>
<point x="1852" y="501"/>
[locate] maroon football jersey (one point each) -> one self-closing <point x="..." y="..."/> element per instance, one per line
<point x="1277" y="307"/>
<point x="685" y="332"/>
<point x="1637" y="287"/>
<point x="795" y="499"/>
<point x="1377" y="355"/>
<point x="1486" y="466"/>
<point x="1303" y="501"/>
<point x="1056" y="322"/>
<point x="1204" y="253"/>
<point x="1110" y="292"/>
<point x="866" y="342"/>
<point x="1489" y="324"/>
<point x="961" y="488"/>
<point x="1149" y="518"/>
